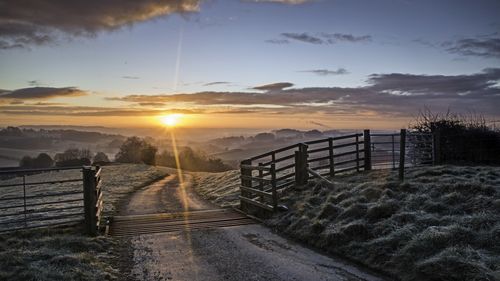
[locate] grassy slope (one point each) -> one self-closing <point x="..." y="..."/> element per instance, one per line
<point x="220" y="188"/>
<point x="66" y="254"/>
<point x="443" y="223"/>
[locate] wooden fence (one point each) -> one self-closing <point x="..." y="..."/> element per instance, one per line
<point x="37" y="198"/>
<point x="265" y="177"/>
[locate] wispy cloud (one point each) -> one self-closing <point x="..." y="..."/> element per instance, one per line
<point x="488" y="47"/>
<point x="278" y="41"/>
<point x="131" y="77"/>
<point x="342" y="37"/>
<point x="216" y="83"/>
<point x="303" y="37"/>
<point x="289" y="2"/>
<point x="327" y="72"/>
<point x="319" y="38"/>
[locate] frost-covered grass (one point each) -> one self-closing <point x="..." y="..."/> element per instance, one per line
<point x="220" y="188"/>
<point x="67" y="254"/>
<point x="442" y="223"/>
<point x="120" y="180"/>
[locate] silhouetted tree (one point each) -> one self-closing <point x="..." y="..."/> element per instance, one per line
<point x="43" y="160"/>
<point x="136" y="150"/>
<point x="148" y="154"/>
<point x="101" y="158"/>
<point x="26" y="162"/>
<point x="73" y="157"/>
<point x="130" y="151"/>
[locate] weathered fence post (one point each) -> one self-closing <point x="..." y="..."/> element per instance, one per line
<point x="332" y="158"/>
<point x="357" y="153"/>
<point x="366" y="147"/>
<point x="301" y="173"/>
<point x="245" y="182"/>
<point x="402" y="151"/>
<point x="273" y="187"/>
<point x="89" y="200"/>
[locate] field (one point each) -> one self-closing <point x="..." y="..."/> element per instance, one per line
<point x="442" y="223"/>
<point x="64" y="253"/>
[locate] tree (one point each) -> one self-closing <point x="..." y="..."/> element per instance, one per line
<point x="136" y="150"/>
<point x="73" y="157"/>
<point x="101" y="158"/>
<point x="148" y="154"/>
<point x="26" y="162"/>
<point x="43" y="160"/>
<point x="130" y="151"/>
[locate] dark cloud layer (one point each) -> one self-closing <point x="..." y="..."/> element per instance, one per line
<point x="36" y="93"/>
<point x="37" y="22"/>
<point x="274" y="86"/>
<point x="395" y="94"/>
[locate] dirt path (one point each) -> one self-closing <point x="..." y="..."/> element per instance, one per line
<point x="249" y="252"/>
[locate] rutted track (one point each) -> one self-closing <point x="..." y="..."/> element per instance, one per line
<point x="176" y="235"/>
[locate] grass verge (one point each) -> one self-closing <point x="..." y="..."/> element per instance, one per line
<point x="67" y="254"/>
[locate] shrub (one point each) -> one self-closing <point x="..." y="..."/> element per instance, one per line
<point x="460" y="138"/>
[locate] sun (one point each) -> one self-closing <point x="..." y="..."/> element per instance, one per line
<point x="171" y="120"/>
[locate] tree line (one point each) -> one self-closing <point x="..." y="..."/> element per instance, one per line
<point x="132" y="150"/>
<point x="137" y="150"/>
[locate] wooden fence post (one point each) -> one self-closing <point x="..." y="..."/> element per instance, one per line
<point x="89" y="200"/>
<point x="332" y="158"/>
<point x="273" y="187"/>
<point x="367" y="146"/>
<point x="402" y="151"/>
<point x="301" y="173"/>
<point x="245" y="183"/>
<point x="357" y="153"/>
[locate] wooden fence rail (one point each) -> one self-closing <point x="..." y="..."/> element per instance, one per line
<point x="266" y="176"/>
<point x="27" y="200"/>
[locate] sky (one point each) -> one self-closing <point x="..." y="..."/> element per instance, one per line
<point x="322" y="64"/>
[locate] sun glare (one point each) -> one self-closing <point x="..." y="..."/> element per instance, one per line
<point x="171" y="120"/>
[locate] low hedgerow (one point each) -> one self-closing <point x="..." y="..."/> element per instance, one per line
<point x="442" y="223"/>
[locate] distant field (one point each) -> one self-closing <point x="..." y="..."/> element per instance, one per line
<point x="67" y="254"/>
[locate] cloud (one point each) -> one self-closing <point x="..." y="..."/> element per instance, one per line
<point x="278" y="41"/>
<point x="216" y="83"/>
<point x="131" y="77"/>
<point x="39" y="22"/>
<point x="320" y="38"/>
<point x="395" y="94"/>
<point x="303" y="37"/>
<point x="274" y="87"/>
<point x="54" y="110"/>
<point x="41" y="93"/>
<point x="326" y="72"/>
<point x="488" y="47"/>
<point x="342" y="37"/>
<point x="289" y="2"/>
